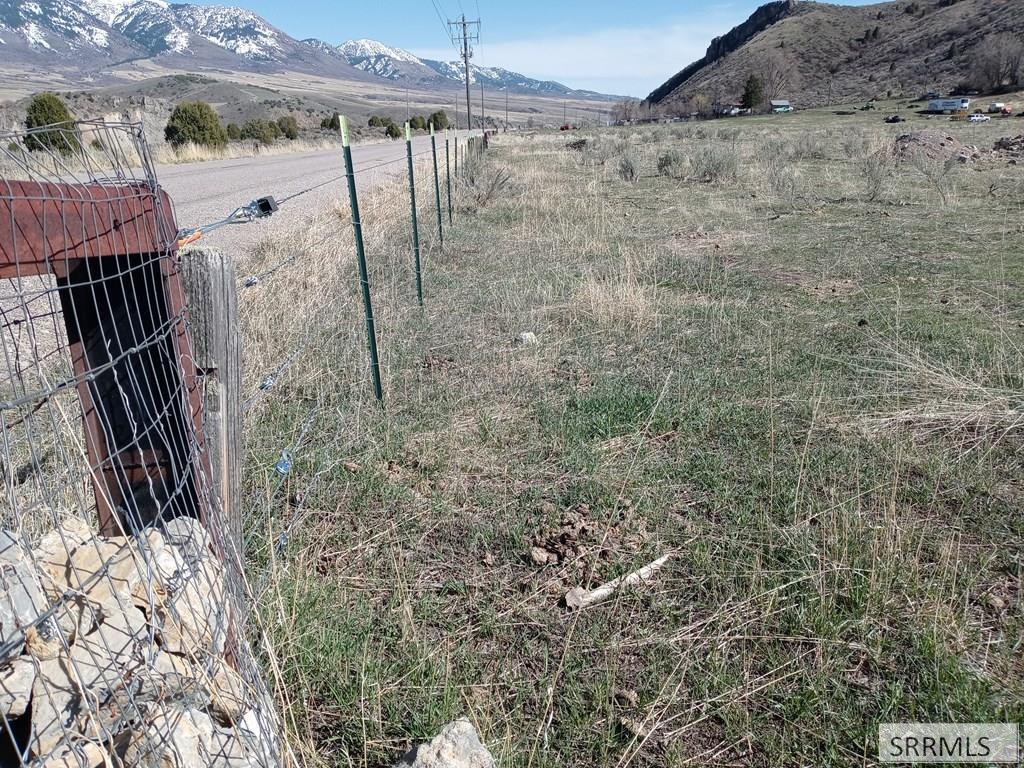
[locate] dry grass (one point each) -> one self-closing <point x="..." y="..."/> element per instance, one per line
<point x="778" y="389"/>
<point x="623" y="299"/>
<point x="165" y="154"/>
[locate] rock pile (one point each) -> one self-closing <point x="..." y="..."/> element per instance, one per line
<point x="113" y="651"/>
<point x="1012" y="147"/>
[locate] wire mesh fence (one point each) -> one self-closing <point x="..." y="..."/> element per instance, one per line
<point x="122" y="629"/>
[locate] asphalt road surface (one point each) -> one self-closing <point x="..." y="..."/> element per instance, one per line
<point x="206" y="192"/>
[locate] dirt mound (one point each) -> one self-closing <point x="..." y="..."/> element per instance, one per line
<point x="935" y="145"/>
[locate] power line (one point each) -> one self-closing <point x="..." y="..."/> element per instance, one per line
<point x="465" y="32"/>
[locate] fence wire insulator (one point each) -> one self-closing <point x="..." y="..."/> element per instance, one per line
<point x="260" y="208"/>
<point x="267" y="383"/>
<point x="284" y="464"/>
<point x="250" y="281"/>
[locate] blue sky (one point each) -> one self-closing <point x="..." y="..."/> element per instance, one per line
<point x="614" y="47"/>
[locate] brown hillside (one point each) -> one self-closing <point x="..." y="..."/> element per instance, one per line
<point x="838" y="53"/>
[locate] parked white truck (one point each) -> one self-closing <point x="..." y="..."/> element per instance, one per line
<point x="948" y="106"/>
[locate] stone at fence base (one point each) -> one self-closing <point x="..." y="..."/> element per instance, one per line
<point x="83" y="754"/>
<point x="194" y="618"/>
<point x="457" y="746"/>
<point x="227" y="694"/>
<point x="189" y="536"/>
<point x="21" y="599"/>
<point x="52" y="552"/>
<point x="138" y="635"/>
<point x="124" y="571"/>
<point x="16" y="681"/>
<point x="72" y="690"/>
<point x="176" y="739"/>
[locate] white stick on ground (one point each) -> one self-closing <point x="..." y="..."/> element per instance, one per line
<point x="579" y="598"/>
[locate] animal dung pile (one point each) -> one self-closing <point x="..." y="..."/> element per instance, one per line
<point x="119" y="651"/>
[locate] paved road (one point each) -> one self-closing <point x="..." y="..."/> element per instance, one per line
<point x="205" y="192"/>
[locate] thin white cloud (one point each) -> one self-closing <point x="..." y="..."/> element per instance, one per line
<point x="629" y="61"/>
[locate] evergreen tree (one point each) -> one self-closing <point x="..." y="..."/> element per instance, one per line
<point x="195" y="122"/>
<point x="753" y="92"/>
<point x="47" y="109"/>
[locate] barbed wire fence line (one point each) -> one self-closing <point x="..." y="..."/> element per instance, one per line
<point x="125" y="607"/>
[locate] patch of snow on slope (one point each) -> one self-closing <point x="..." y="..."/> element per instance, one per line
<point x="177" y="40"/>
<point x="34" y="35"/>
<point x="366" y="49"/>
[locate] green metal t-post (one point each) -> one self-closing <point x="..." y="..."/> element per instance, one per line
<point x="364" y="280"/>
<point x="437" y="184"/>
<point x="415" y="223"/>
<point x="448" y="175"/>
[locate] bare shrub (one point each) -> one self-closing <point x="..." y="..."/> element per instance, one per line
<point x="785" y="184"/>
<point x="628" y="168"/>
<point x="714" y="162"/>
<point x="672" y="164"/>
<point x="808" y="145"/>
<point x="484" y="182"/>
<point x="876" y="171"/>
<point x="856" y="144"/>
<point x="941" y="175"/>
<point x="602" y="149"/>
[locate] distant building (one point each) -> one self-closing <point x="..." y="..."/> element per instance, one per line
<point x="780" y="105"/>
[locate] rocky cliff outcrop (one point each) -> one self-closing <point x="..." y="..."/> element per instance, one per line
<point x="759" y="20"/>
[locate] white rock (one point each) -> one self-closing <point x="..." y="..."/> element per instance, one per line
<point x="124" y="570"/>
<point x="257" y="732"/>
<point x="53" y="552"/>
<point x="189" y="536"/>
<point x="21" y="599"/>
<point x="70" y="682"/>
<point x="527" y="338"/>
<point x="16" y="681"/>
<point x="194" y="619"/>
<point x="228" y="751"/>
<point x="228" y="695"/>
<point x="174" y="739"/>
<point x="457" y="746"/>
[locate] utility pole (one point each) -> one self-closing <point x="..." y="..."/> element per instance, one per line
<point x="456" y="116"/>
<point x="506" y="108"/>
<point x="482" y="111"/>
<point x="563" y="113"/>
<point x="462" y="36"/>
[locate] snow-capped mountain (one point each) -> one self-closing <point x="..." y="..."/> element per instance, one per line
<point x="397" y="64"/>
<point x="383" y="60"/>
<point x="56" y="28"/>
<point x="369" y="49"/>
<point x="498" y="78"/>
<point x="84" y="37"/>
<point x="89" y="34"/>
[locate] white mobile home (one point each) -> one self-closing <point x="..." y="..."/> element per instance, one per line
<point x="944" y="106"/>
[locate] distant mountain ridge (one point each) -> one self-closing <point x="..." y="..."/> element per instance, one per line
<point x="397" y="64"/>
<point x="87" y="36"/>
<point x="824" y="53"/>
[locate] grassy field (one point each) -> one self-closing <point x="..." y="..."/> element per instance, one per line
<point x="765" y="347"/>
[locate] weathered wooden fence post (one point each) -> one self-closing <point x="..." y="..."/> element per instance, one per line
<point x="211" y="294"/>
